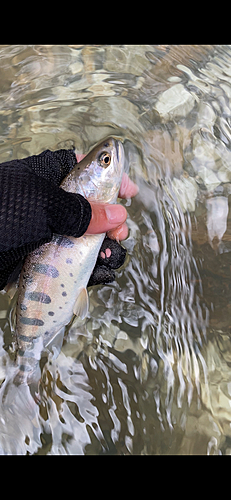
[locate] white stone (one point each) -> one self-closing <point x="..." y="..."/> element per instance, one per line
<point x="176" y="101"/>
<point x="209" y="177"/>
<point x="217" y="213"/>
<point x="76" y="67"/>
<point x="206" y="115"/>
<point x="186" y="191"/>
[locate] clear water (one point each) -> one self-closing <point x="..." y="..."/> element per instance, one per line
<point x="148" y="372"/>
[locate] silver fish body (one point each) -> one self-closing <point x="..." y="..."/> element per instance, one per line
<point x="54" y="277"/>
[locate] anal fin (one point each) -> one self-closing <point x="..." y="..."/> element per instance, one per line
<point x="81" y="304"/>
<point x="54" y="344"/>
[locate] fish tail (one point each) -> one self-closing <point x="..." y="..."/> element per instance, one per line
<point x="28" y="373"/>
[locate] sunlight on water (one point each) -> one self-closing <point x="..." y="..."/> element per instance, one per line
<point x="147" y="372"/>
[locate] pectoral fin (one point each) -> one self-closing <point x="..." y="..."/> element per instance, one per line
<point x="81" y="304"/>
<point x="11" y="289"/>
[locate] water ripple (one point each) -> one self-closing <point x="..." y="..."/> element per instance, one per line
<point x="148" y="371"/>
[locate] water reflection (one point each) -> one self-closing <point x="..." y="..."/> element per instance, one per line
<point x="148" y="371"/>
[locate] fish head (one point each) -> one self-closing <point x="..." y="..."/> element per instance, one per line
<point x="98" y="176"/>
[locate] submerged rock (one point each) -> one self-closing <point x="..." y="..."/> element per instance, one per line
<point x="176" y="101"/>
<point x="186" y="190"/>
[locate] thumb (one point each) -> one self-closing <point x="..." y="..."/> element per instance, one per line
<point x="105" y="217"/>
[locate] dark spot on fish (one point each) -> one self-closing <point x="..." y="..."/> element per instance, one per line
<point x="25" y="354"/>
<point x="62" y="285"/>
<point x="60" y="307"/>
<point x="39" y="251"/>
<point x="47" y="269"/>
<point x="51" y="313"/>
<point x="106" y="145"/>
<point x="29" y="339"/>
<point x="23" y="307"/>
<point x="38" y="297"/>
<point x="69" y="261"/>
<point x="31" y="321"/>
<point x="81" y="253"/>
<point x="24" y="368"/>
<point x="28" y="279"/>
<point x="71" y="275"/>
<point x="54" y="321"/>
<point x="63" y="241"/>
<point x="64" y="294"/>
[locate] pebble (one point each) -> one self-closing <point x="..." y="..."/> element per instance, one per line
<point x="175" y="102"/>
<point x="186" y="191"/>
<point x="76" y="67"/>
<point x="217" y="213"/>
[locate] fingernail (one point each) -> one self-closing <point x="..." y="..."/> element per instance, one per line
<point x="114" y="234"/>
<point x="115" y="214"/>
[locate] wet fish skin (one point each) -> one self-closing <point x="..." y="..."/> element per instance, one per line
<point x="54" y="277"/>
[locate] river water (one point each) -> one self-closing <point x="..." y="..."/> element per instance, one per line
<point x="148" y="371"/>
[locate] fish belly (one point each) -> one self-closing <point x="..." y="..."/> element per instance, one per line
<point x="51" y="280"/>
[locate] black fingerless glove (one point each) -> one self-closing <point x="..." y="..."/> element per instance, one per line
<point x="33" y="207"/>
<point x="111" y="256"/>
<point x="52" y="165"/>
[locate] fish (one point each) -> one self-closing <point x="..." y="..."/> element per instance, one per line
<point x="53" y="281"/>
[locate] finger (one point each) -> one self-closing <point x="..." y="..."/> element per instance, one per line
<point x="128" y="188"/>
<point x="105" y="217"/>
<point x="120" y="233"/>
<point x="79" y="157"/>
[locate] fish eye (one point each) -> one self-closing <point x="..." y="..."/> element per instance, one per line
<point x="104" y="159"/>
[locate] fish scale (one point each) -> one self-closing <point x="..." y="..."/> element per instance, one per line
<point x="54" y="277"/>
